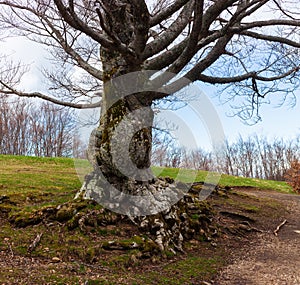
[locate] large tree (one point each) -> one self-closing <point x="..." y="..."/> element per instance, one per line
<point x="137" y="52"/>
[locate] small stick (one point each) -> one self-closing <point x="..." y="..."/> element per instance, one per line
<point x="9" y="246"/>
<point x="279" y="226"/>
<point x="35" y="243"/>
<point x="11" y="251"/>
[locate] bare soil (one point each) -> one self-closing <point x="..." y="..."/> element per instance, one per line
<point x="245" y="250"/>
<point x="268" y="259"/>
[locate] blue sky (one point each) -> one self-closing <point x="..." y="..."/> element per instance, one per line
<point x="279" y="122"/>
<point x="276" y="122"/>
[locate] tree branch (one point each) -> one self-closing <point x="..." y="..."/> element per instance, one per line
<point x="260" y="24"/>
<point x="167" y="12"/>
<point x="213" y="12"/>
<point x="283" y="12"/>
<point x="271" y="38"/>
<point x="249" y="75"/>
<point x="243" y="10"/>
<point x="191" y="47"/>
<point x="163" y="41"/>
<point x="68" y="49"/>
<point x="141" y="27"/>
<point x="165" y="59"/>
<point x="74" y="21"/>
<point x="213" y="55"/>
<point x="11" y="91"/>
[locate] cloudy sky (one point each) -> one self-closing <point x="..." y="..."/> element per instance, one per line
<point x="283" y="122"/>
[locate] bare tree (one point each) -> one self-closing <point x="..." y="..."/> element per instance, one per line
<point x="251" y="46"/>
<point x="14" y="127"/>
<point x="31" y="129"/>
<point x="52" y="130"/>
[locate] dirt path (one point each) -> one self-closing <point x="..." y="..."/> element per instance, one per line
<point x="270" y="259"/>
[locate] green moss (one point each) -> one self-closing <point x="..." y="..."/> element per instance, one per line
<point x="191" y="270"/>
<point x="251" y="208"/>
<point x="112" y="118"/>
<point x="23" y="219"/>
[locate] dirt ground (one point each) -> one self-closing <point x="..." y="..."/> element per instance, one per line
<point x="268" y="259"/>
<point x="251" y="254"/>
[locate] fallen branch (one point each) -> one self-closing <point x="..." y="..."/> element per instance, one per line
<point x="279" y="227"/>
<point x="35" y="243"/>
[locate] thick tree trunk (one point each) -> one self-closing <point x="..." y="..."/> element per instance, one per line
<point x="120" y="150"/>
<point x="124" y="141"/>
<point x="122" y="180"/>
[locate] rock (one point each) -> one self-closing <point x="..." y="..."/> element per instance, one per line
<point x="56" y="259"/>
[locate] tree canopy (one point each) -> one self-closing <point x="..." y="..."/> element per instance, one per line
<point x="249" y="46"/>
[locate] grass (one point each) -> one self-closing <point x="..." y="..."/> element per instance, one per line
<point x="187" y="175"/>
<point x="192" y="268"/>
<point x="33" y="183"/>
<point x="34" y="177"/>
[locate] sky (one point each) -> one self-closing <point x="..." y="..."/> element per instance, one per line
<point x="276" y="122"/>
<point x="283" y="122"/>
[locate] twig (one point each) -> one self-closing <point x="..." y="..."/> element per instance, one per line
<point x="35" y="243"/>
<point x="279" y="227"/>
<point x="9" y="245"/>
<point x="10" y="249"/>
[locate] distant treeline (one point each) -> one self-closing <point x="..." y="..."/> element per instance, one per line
<point x="48" y="130"/>
<point x="253" y="156"/>
<point x="35" y="129"/>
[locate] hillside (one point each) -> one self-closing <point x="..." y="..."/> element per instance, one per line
<point x="48" y="238"/>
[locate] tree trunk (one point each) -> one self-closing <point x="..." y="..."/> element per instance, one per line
<point x="120" y="148"/>
<point x="120" y="151"/>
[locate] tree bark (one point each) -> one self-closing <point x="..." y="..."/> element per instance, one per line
<point x="120" y="150"/>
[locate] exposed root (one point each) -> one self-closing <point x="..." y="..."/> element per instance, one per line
<point x="279" y="227"/>
<point x="167" y="230"/>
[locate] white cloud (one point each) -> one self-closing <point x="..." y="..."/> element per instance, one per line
<point x="20" y="49"/>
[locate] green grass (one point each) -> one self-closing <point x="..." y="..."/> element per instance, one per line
<point x="33" y="183"/>
<point x="186" y="271"/>
<point x="35" y="178"/>
<point x="187" y="175"/>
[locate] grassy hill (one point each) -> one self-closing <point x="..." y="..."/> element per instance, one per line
<point x="35" y="176"/>
<point x="32" y="188"/>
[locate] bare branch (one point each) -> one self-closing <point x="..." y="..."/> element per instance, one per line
<point x="271" y="38"/>
<point x="12" y="91"/>
<point x="165" y="59"/>
<point x="191" y="47"/>
<point x="212" y="56"/>
<point x="141" y="18"/>
<point x="244" y="9"/>
<point x="166" y="38"/>
<point x="282" y="11"/>
<point x="51" y="29"/>
<point x="250" y="75"/>
<point x="260" y="24"/>
<point x="74" y="21"/>
<point x="68" y="49"/>
<point x="167" y="12"/>
<point x="213" y="12"/>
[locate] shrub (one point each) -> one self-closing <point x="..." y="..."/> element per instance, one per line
<point x="292" y="176"/>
